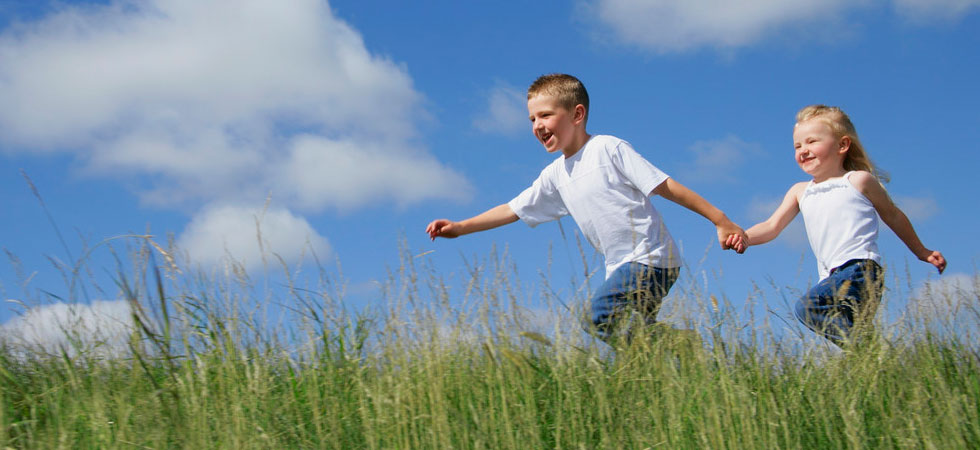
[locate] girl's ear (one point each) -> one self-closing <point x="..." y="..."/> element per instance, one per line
<point x="845" y="144"/>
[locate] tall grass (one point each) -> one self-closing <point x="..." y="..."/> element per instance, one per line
<point x="464" y="363"/>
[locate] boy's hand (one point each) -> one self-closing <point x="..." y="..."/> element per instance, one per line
<point x="442" y="228"/>
<point x="936" y="259"/>
<point x="492" y="218"/>
<point x="732" y="237"/>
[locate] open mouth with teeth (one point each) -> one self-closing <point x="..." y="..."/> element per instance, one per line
<point x="545" y="137"/>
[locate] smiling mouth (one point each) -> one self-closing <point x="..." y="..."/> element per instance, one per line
<point x="545" y="137"/>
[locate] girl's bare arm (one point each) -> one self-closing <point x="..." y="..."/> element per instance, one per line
<point x="868" y="185"/>
<point x="769" y="229"/>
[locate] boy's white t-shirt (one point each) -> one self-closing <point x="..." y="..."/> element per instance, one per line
<point x="605" y="187"/>
<point x="841" y="223"/>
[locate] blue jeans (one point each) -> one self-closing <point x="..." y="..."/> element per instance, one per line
<point x="633" y="291"/>
<point x="851" y="293"/>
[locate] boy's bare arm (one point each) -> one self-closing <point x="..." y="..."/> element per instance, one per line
<point x="492" y="218"/>
<point x="680" y="194"/>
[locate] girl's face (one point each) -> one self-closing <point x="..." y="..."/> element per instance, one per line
<point x="819" y="152"/>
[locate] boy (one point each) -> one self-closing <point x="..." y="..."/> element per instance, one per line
<point x="605" y="186"/>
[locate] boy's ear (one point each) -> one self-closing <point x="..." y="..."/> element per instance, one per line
<point x="579" y="113"/>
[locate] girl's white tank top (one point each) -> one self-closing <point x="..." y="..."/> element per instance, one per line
<point x="841" y="223"/>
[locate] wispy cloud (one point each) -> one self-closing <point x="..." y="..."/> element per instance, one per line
<point x="718" y="160"/>
<point x="945" y="307"/>
<point x="917" y="208"/>
<point x="665" y="26"/>
<point x="924" y="11"/>
<point x="506" y="112"/>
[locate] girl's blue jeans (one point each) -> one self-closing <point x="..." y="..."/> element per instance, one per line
<point x="850" y="294"/>
<point x="631" y="296"/>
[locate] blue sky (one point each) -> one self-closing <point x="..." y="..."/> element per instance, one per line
<point x="346" y="127"/>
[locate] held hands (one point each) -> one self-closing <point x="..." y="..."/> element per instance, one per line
<point x="736" y="242"/>
<point x="442" y="228"/>
<point x="732" y="237"/>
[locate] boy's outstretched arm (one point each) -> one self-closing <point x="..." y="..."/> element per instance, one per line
<point x="895" y="218"/>
<point x="767" y="230"/>
<point x="492" y="218"/>
<point x="680" y="194"/>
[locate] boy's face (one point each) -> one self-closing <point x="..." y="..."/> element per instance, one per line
<point x="553" y="124"/>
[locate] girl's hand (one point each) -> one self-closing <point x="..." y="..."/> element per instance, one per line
<point x="936" y="259"/>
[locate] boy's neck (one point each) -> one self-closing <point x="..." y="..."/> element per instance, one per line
<point x="581" y="138"/>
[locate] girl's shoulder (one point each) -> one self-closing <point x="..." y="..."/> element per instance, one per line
<point x="798" y="188"/>
<point x="865" y="182"/>
<point x="860" y="177"/>
<point x="796" y="192"/>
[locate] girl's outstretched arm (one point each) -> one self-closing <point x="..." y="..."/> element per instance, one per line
<point x="868" y="185"/>
<point x="492" y="218"/>
<point x="767" y="230"/>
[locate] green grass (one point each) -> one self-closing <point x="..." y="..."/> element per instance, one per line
<point x="445" y="365"/>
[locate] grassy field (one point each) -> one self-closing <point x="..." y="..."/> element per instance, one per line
<point x="461" y="366"/>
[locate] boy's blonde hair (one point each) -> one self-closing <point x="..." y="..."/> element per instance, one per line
<point x="568" y="90"/>
<point x="856" y="157"/>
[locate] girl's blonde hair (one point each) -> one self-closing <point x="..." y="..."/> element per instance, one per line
<point x="856" y="157"/>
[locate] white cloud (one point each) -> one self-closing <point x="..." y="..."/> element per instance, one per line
<point x="225" y="231"/>
<point x="718" y="160"/>
<point x="917" y="208"/>
<point x="673" y="26"/>
<point x="506" y="112"/>
<point x="924" y="11"/>
<point x="202" y="98"/>
<point x="666" y="26"/>
<point x="102" y="328"/>
<point x="946" y="298"/>
<point x="794" y="235"/>
<point x="947" y="307"/>
<point x="316" y="169"/>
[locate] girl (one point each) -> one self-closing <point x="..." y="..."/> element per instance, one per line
<point x="839" y="209"/>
